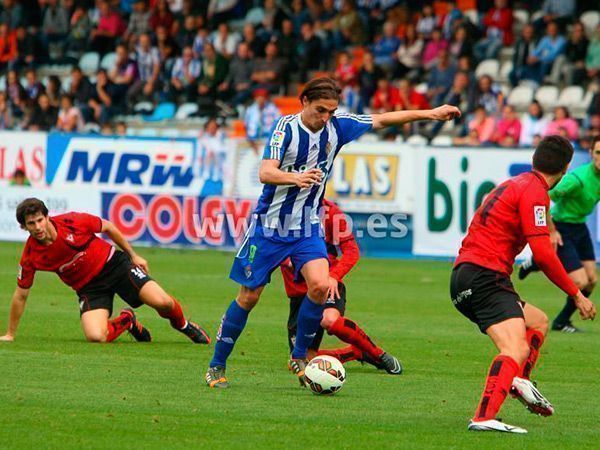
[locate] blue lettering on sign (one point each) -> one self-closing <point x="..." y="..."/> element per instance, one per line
<point x="125" y="171"/>
<point x="160" y="176"/>
<point x="79" y="162"/>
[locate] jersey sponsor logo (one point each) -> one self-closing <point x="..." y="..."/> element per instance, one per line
<point x="539" y="213"/>
<point x="139" y="273"/>
<point x="277" y="138"/>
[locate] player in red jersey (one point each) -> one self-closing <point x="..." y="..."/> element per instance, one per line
<point x="67" y="245"/>
<point x="338" y="235"/>
<point x="513" y="214"/>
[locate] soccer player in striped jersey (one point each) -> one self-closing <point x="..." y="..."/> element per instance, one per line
<point x="296" y="163"/>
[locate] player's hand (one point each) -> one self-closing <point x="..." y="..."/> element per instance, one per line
<point x="556" y="239"/>
<point x="587" y="310"/>
<point x="445" y="112"/>
<point x="309" y="178"/>
<point x="140" y="262"/>
<point x="333" y="292"/>
<point x="7" y="338"/>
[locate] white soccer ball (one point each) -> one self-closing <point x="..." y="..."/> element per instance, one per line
<point x="325" y="375"/>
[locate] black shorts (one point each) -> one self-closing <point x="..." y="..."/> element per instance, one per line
<point x="295" y="302"/>
<point x="577" y="245"/>
<point x="118" y="276"/>
<point x="484" y="296"/>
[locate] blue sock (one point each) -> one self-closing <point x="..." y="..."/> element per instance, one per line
<point x="309" y="319"/>
<point x="232" y="325"/>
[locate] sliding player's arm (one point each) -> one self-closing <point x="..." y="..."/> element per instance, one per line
<point x="117" y="237"/>
<point x="17" y="307"/>
<point x="387" y="119"/>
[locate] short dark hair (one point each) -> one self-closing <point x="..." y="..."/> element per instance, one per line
<point x="552" y="155"/>
<point x="321" y="88"/>
<point x="28" y="207"/>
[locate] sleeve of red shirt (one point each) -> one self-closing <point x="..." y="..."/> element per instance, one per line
<point x="545" y="257"/>
<point x="87" y="222"/>
<point x="26" y="271"/>
<point x="338" y="232"/>
<point x="349" y="258"/>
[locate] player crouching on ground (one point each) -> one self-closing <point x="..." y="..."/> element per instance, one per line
<point x="513" y="214"/>
<point x="67" y="245"/>
<point x="338" y="235"/>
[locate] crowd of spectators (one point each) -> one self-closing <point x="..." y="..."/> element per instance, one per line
<point x="230" y="57"/>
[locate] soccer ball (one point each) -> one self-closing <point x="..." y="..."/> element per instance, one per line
<point x="325" y="375"/>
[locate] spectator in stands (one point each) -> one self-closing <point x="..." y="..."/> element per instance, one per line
<point x="480" y="129"/>
<point x="451" y="20"/>
<point x="558" y="11"/>
<point x="498" y="23"/>
<point x="103" y="99"/>
<point x="16" y="93"/>
<point x="81" y="90"/>
<point x="433" y="49"/>
<point x="220" y="11"/>
<point x="368" y="77"/>
<point x="123" y="77"/>
<point x="386" y="98"/>
<point x="522" y="68"/>
<point x="106" y="129"/>
<point x="54" y="90"/>
<point x="288" y="43"/>
<point x="202" y="37"/>
<point x="27" y="49"/>
<point x="236" y="88"/>
<point x="441" y="77"/>
<point x="121" y="128"/>
<point x="350" y="99"/>
<point x="563" y="120"/>
<point x="43" y="116"/>
<point x="12" y="14"/>
<point x="410" y="54"/>
<point x="19" y="178"/>
<point x="110" y="27"/>
<point x="260" y="118"/>
<point x="308" y="51"/>
<point x="214" y="150"/>
<point x="460" y="45"/>
<point x="55" y="28"/>
<point x="139" y="21"/>
<point x="272" y="20"/>
<point x="162" y="16"/>
<point x="546" y="52"/>
<point x="508" y="128"/>
<point x="8" y="46"/>
<point x="80" y="29"/>
<point x="184" y="74"/>
<point x="224" y="41"/>
<point x="33" y="87"/>
<point x="575" y="53"/>
<point x="345" y="73"/>
<point x="533" y="125"/>
<point x="385" y="47"/>
<point x="214" y="72"/>
<point x="255" y="44"/>
<point x="410" y="99"/>
<point x="6" y="116"/>
<point x="427" y="22"/>
<point x="488" y="95"/>
<point x="349" y="27"/>
<point x="592" y="59"/>
<point x="298" y="14"/>
<point x="163" y="36"/>
<point x="591" y="131"/>
<point x="458" y="95"/>
<point x="70" y="118"/>
<point x="268" y="71"/>
<point x="148" y="66"/>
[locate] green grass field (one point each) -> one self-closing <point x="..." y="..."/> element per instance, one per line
<point x="57" y="391"/>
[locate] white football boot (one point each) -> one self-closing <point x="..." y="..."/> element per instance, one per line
<point x="528" y="394"/>
<point x="494" y="425"/>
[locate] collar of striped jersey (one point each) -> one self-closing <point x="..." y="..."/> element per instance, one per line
<point x="312" y="135"/>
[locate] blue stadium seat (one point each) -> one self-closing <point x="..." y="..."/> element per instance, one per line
<point x="163" y="111"/>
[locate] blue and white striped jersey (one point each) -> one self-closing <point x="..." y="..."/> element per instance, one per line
<point x="299" y="149"/>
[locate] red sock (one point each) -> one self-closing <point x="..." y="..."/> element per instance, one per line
<point x="175" y="316"/>
<point x="350" y="332"/>
<point x="117" y="326"/>
<point x="497" y="385"/>
<point x="344" y="354"/>
<point x="535" y="339"/>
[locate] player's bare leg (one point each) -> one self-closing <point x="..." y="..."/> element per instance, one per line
<point x="316" y="274"/>
<point x="231" y="327"/>
<point x="98" y="328"/>
<point x="153" y="295"/>
<point x="509" y="336"/>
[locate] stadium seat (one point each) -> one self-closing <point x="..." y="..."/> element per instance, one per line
<point x="255" y="16"/>
<point x="473" y="16"/>
<point x="421" y="88"/>
<point x="489" y="67"/>
<point x="287" y="105"/>
<point x="163" y="111"/>
<point x="520" y="97"/>
<point x="3" y="83"/>
<point x="442" y="141"/>
<point x="579" y="110"/>
<point x="505" y="70"/>
<point x="186" y="110"/>
<point x="590" y="20"/>
<point x="521" y="18"/>
<point x="89" y="63"/>
<point x="571" y="96"/>
<point x="144" y="108"/>
<point x="237" y="129"/>
<point x="547" y="96"/>
<point x="416" y="139"/>
<point x="108" y="61"/>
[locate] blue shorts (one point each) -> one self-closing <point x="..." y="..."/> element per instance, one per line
<point x="261" y="253"/>
<point x="577" y="245"/>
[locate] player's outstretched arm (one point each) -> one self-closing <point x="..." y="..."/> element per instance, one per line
<point x="387" y="119"/>
<point x="117" y="237"/>
<point x="17" y="307"/>
<point x="270" y="173"/>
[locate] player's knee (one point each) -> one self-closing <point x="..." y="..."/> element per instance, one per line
<point x="318" y="291"/>
<point x="248" y="299"/>
<point x="330" y="316"/>
<point x="543" y="324"/>
<point x="581" y="282"/>
<point x="95" y="336"/>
